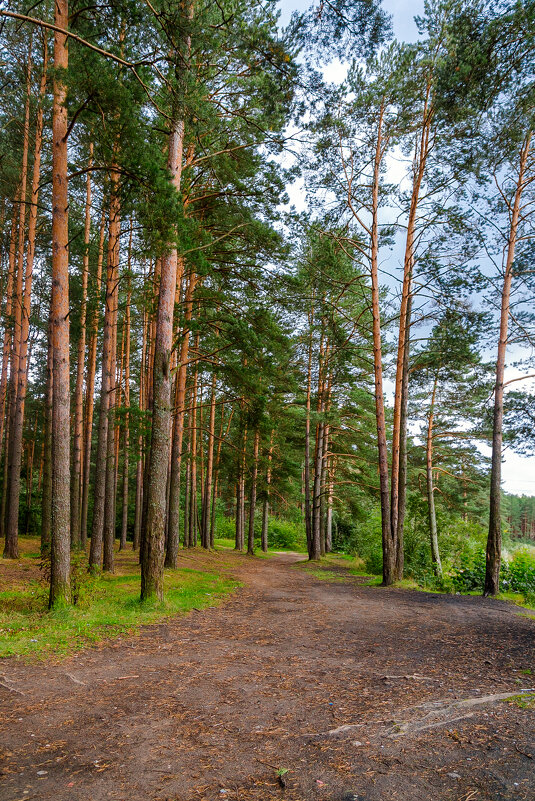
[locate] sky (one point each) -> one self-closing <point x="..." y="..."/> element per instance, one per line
<point x="518" y="472"/>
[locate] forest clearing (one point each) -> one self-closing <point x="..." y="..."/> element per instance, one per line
<point x="267" y="400"/>
<point x="342" y="690"/>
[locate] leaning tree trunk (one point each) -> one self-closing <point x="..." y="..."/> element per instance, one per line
<point x="61" y="538"/>
<point x="494" y="540"/>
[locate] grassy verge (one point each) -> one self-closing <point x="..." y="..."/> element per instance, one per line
<point x="108" y="607"/>
<point x="226" y="544"/>
<point x="335" y="567"/>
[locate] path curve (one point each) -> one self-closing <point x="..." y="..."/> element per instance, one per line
<point x="291" y="673"/>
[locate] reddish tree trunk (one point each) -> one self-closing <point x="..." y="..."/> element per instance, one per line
<point x="60" y="544"/>
<point x="90" y="385"/>
<point x="14" y="450"/>
<point x="154" y="540"/>
<point x="79" y="388"/>
<point x="494" y="540"/>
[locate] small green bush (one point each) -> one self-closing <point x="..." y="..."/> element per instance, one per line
<point x="285" y="534"/>
<point x="516" y="575"/>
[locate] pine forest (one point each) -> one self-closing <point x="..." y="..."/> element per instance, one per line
<point x="267" y="320"/>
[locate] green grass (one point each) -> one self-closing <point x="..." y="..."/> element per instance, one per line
<point x="223" y="543"/>
<point x="516" y="598"/>
<point x="323" y="569"/>
<point x="522" y="701"/>
<point x="109" y="607"/>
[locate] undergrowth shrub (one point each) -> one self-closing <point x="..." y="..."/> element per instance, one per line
<point x="285" y="533"/>
<point x="517" y="573"/>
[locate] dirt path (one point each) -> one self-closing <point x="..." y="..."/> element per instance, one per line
<point x="359" y="692"/>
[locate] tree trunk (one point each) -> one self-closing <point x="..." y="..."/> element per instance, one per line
<point x="46" y="498"/>
<point x="315" y="547"/>
<point x="329" y="521"/>
<point x="205" y="527"/>
<point x="90" y="386"/>
<point x="14" y="451"/>
<point x="308" y="516"/>
<point x="22" y="378"/>
<point x="107" y="381"/>
<point x="7" y="330"/>
<point x="61" y="538"/>
<point x="402" y="481"/>
<point x="433" y="535"/>
<point x="76" y="540"/>
<point x="126" y="435"/>
<point x="265" y="510"/>
<point x="139" y="466"/>
<point x="419" y="171"/>
<point x="494" y="540"/>
<point x="112" y="298"/>
<point x="154" y="535"/>
<point x="192" y="527"/>
<point x="171" y="555"/>
<point x="252" y="496"/>
<point x="389" y="552"/>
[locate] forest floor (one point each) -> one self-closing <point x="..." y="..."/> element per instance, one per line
<point x="334" y="689"/>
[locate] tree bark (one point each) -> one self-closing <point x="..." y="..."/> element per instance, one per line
<point x="154" y="540"/>
<point x="22" y="378"/>
<point x="402" y="479"/>
<point x="90" y="385"/>
<point x="139" y="466"/>
<point x="308" y="515"/>
<point x="387" y="539"/>
<point x="112" y="298"/>
<point x="433" y="534"/>
<point x="178" y="429"/>
<point x="14" y="451"/>
<point x="61" y="538"/>
<point x="46" y="498"/>
<point x="106" y="385"/>
<point x="494" y="540"/>
<point x="205" y="525"/>
<point x="252" y="495"/>
<point x="192" y="527"/>
<point x="126" y="434"/>
<point x="419" y="171"/>
<point x="265" y="510"/>
<point x="76" y="476"/>
<point x="8" y="329"/>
